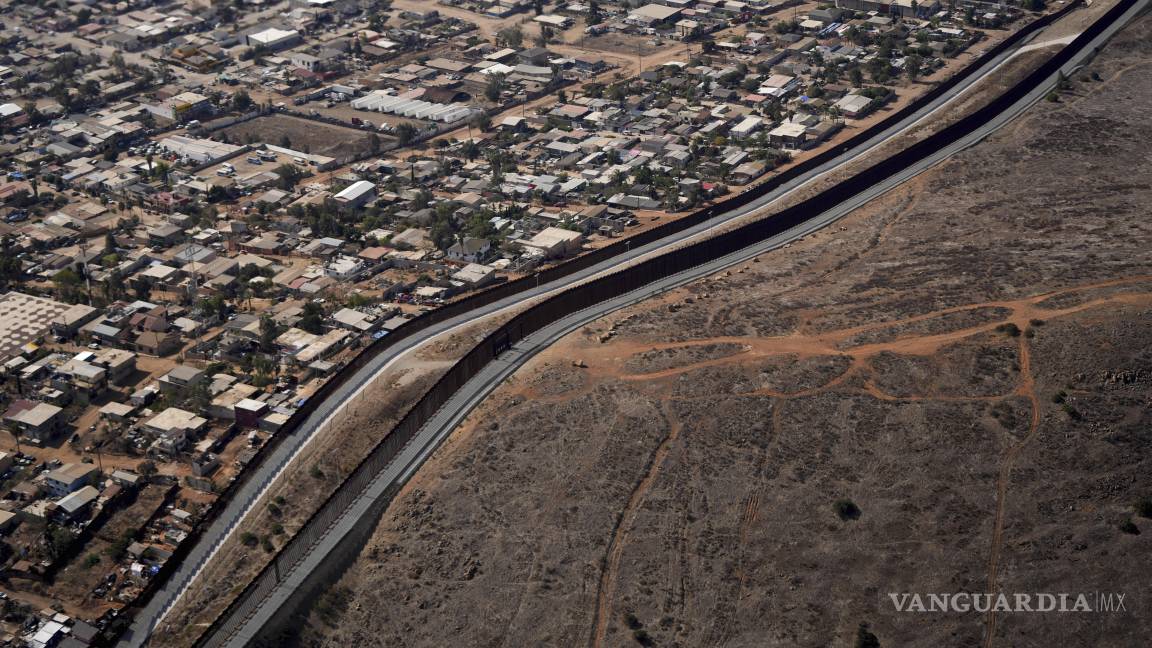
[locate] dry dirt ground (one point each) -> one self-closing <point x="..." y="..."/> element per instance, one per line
<point x="303" y="135"/>
<point x="966" y="360"/>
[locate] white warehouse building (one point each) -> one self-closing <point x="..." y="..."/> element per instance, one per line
<point x="381" y="101"/>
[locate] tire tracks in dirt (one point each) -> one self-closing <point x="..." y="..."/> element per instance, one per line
<point x="619" y="538"/>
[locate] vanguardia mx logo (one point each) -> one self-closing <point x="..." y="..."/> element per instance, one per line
<point x="963" y="602"/>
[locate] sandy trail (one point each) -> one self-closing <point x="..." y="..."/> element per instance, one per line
<point x="605" y="359"/>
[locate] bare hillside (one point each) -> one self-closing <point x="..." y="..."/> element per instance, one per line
<point x="947" y="392"/>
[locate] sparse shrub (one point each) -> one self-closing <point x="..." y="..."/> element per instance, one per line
<point x="277" y="529"/>
<point x="632" y="621"/>
<point x="865" y="638"/>
<point x="1072" y="412"/>
<point x="332" y="604"/>
<point x="1060" y="397"/>
<point x="1144" y="508"/>
<point x="249" y="539"/>
<point x="275" y="510"/>
<point x="642" y="637"/>
<point x="1053" y="96"/>
<point x="1010" y="329"/>
<point x="1036" y="322"/>
<point x="1129" y="527"/>
<point x="316" y="472"/>
<point x="847" y="509"/>
<point x="266" y="544"/>
<point x="91" y="561"/>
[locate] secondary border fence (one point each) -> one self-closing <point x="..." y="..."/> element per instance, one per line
<point x="583" y="296"/>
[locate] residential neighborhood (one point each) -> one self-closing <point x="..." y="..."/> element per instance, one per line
<point x="208" y="209"/>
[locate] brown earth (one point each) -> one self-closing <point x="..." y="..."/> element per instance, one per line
<point x="965" y="359"/>
<point x="304" y="135"/>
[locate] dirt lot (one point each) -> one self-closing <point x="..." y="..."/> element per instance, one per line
<point x="965" y="361"/>
<point x="303" y="135"/>
<point x="76" y="581"/>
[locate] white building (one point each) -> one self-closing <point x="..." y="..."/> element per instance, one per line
<point x="273" y="38"/>
<point x="356" y="194"/>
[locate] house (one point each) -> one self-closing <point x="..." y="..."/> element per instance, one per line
<point x="555" y="242"/>
<point x="272" y="39"/>
<point x="356" y="194"/>
<point x="903" y="8"/>
<point x="854" y="105"/>
<point x="164" y="235"/>
<point x="356" y="321"/>
<point x="470" y="250"/>
<point x="119" y="364"/>
<point x="38" y="422"/>
<point x="249" y="412"/>
<point x="69" y="478"/>
<point x="173" y="428"/>
<point x="746" y="127"/>
<point x="651" y="15"/>
<point x="181" y="379"/>
<point x="126" y="478"/>
<point x="75" y="505"/>
<point x="344" y="267"/>
<point x="118" y="412"/>
<point x="789" y="135"/>
<point x="158" y="343"/>
<point x="85" y="377"/>
<point x="8" y="521"/>
<point x="475" y="275"/>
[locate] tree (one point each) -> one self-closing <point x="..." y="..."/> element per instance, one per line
<point x="146" y="468"/>
<point x="241" y="101"/>
<point x="290" y="175"/>
<point x="538" y="6"/>
<point x="268" y="333"/>
<point x="161" y="171"/>
<point x="311" y="319"/>
<point x="594" y="13"/>
<point x="544" y="37"/>
<point x="482" y="122"/>
<point x="59" y="540"/>
<point x="913" y="65"/>
<point x="405" y="133"/>
<point x="511" y="37"/>
<point x="494" y="88"/>
<point x="857" y="76"/>
<point x="374" y="143"/>
<point x="67" y="283"/>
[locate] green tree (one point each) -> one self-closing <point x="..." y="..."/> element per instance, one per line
<point x="913" y="65"/>
<point x="594" y="13"/>
<point x="269" y="331"/>
<point x="405" y="133"/>
<point x="857" y="76"/>
<point x="494" y="88"/>
<point x="511" y="37"/>
<point x="312" y="318"/>
<point x="241" y="101"/>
